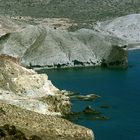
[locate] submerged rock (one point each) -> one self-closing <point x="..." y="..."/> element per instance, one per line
<point x="90" y="110"/>
<point x="79" y="97"/>
<point x="30" y="102"/>
<point x="89" y="97"/>
<point x="88" y="113"/>
<point x="40" y="46"/>
<point x="105" y="106"/>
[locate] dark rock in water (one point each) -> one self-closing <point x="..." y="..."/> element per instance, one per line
<point x="105" y="106"/>
<point x="89" y="97"/>
<point x="70" y="93"/>
<point x="96" y="115"/>
<point x="87" y="114"/>
<point x="101" y="118"/>
<point x="90" y="110"/>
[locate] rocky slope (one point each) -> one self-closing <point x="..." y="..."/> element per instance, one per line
<point x="41" y="46"/>
<point x="80" y="10"/>
<point x="126" y="28"/>
<point x="43" y="126"/>
<point x="26" y="89"/>
<point x="30" y="102"/>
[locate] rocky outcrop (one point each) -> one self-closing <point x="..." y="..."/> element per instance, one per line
<point x="41" y="46"/>
<point x="27" y="89"/>
<point x="30" y="102"/>
<point x="126" y="28"/>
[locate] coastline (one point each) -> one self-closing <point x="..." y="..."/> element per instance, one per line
<point x="135" y="48"/>
<point x="31" y="103"/>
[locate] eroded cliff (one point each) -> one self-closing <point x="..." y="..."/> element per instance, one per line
<point x="41" y="46"/>
<point x="33" y="104"/>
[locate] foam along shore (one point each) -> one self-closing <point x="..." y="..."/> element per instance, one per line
<point x="30" y="102"/>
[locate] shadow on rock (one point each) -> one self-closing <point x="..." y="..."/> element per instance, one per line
<point x="10" y="132"/>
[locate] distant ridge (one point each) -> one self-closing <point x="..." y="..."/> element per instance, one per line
<point x="80" y="10"/>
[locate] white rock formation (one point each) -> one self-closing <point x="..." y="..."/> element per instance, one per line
<point x="30" y="102"/>
<point x="28" y="90"/>
<point x="126" y="28"/>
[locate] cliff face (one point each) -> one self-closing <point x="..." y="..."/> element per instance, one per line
<point x="30" y="102"/>
<point x="41" y="46"/>
<point x="27" y="89"/>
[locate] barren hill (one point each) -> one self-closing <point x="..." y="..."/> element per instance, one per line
<point x="80" y="10"/>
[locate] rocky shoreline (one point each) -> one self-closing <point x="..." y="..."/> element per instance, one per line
<point x="40" y="34"/>
<point x="29" y="102"/>
<point x="32" y="104"/>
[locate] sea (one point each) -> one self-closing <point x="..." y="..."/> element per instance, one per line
<point x="119" y="90"/>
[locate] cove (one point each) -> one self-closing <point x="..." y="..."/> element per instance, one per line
<point x="120" y="89"/>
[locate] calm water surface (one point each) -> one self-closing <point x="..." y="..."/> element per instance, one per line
<point x="119" y="89"/>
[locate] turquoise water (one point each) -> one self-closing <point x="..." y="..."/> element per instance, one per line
<point x="119" y="89"/>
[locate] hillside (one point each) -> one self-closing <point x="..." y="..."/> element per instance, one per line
<point x="80" y="10"/>
<point x="42" y="46"/>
